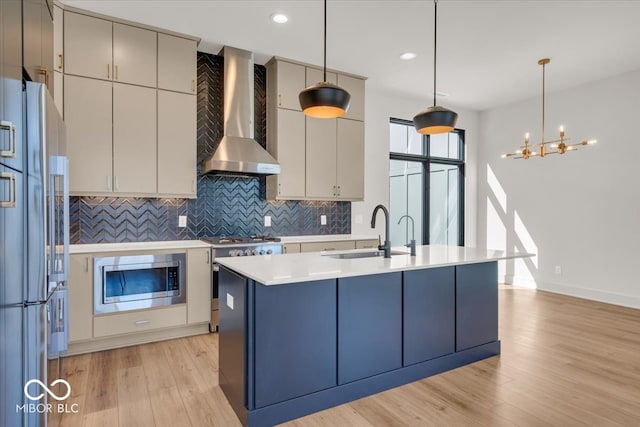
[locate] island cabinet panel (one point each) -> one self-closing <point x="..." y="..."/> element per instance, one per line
<point x="429" y="314"/>
<point x="295" y="340"/>
<point x="476" y="305"/>
<point x="231" y="338"/>
<point x="369" y="325"/>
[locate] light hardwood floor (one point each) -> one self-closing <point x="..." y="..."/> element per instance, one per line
<point x="564" y="362"/>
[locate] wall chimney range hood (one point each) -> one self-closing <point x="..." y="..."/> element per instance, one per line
<point x="238" y="153"/>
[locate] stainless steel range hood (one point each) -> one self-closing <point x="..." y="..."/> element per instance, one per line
<point x="238" y="153"/>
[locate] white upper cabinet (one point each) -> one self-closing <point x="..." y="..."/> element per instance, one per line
<point x="88" y="46"/>
<point x="134" y="55"/>
<point x="350" y="159"/>
<point x="177" y="64"/>
<point x="315" y="75"/>
<point x="355" y="87"/>
<point x="290" y="81"/>
<point x="58" y="54"/>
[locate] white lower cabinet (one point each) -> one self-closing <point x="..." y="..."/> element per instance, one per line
<point x="139" y="321"/>
<point x="199" y="285"/>
<point x="80" y="286"/>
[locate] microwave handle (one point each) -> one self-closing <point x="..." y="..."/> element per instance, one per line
<point x="59" y="166"/>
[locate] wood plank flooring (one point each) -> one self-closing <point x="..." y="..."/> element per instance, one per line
<point x="564" y="362"/>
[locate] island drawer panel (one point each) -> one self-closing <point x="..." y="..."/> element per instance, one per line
<point x="476" y="304"/>
<point x="369" y="325"/>
<point x="295" y="340"/>
<point x="429" y="314"/>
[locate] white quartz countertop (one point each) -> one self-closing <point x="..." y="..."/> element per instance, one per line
<point x="326" y="238"/>
<point x="136" y="246"/>
<point x="305" y="267"/>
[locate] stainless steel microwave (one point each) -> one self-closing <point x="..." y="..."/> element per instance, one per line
<point x="138" y="281"/>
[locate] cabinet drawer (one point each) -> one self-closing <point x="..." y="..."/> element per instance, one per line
<point x="367" y="244"/>
<point x="327" y="246"/>
<point x="291" y="248"/>
<point x="139" y="321"/>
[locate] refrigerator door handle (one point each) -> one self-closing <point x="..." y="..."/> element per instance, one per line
<point x="58" y="268"/>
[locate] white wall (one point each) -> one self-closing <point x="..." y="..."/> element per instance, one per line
<point x="579" y="211"/>
<point x="379" y="107"/>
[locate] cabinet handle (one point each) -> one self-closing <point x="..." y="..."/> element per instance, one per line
<point x="11" y="152"/>
<point x="60" y="61"/>
<point x="334" y="190"/>
<point x="11" y="203"/>
<point x="338" y="190"/>
<point x="109" y="182"/>
<point x="284" y="249"/>
<point x="116" y="72"/>
<point x="142" y="322"/>
<point x="279" y="99"/>
<point x="208" y="257"/>
<point x="193" y="85"/>
<point x="108" y="71"/>
<point x="279" y="189"/>
<point x="86" y="267"/>
<point x="193" y="186"/>
<point x="45" y="73"/>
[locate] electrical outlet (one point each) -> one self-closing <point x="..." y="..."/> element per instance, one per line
<point x="323" y="220"/>
<point x="267" y="221"/>
<point x="182" y="221"/>
<point x="358" y="219"/>
<point x="558" y="269"/>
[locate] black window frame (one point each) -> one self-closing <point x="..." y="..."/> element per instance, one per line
<point x="426" y="160"/>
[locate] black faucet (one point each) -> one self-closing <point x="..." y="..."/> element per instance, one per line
<point x="411" y="245"/>
<point x="387" y="244"/>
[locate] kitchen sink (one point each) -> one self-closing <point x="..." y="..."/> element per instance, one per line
<point x="369" y="254"/>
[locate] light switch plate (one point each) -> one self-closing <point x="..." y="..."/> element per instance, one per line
<point x="230" y="301"/>
<point x="182" y="220"/>
<point x="267" y="221"/>
<point x="558" y="269"/>
<point x="358" y="219"/>
<point x="323" y="220"/>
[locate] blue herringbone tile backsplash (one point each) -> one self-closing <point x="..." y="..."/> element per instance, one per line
<point x="225" y="206"/>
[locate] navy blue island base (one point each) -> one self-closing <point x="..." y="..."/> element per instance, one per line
<point x="289" y="350"/>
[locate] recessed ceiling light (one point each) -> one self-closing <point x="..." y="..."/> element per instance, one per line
<point x="279" y="18"/>
<point x="408" y="55"/>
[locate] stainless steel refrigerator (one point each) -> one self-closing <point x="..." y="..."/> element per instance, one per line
<point x="34" y="256"/>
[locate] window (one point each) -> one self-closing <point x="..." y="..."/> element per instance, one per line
<point x="426" y="181"/>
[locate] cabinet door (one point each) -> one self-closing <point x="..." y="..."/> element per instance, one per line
<point x="290" y="81"/>
<point x="134" y="55"/>
<point x="315" y="75"/>
<point x="321" y="158"/>
<point x="88" y="117"/>
<point x="58" y="91"/>
<point x="369" y="321"/>
<point x="177" y="63"/>
<point x="87" y="46"/>
<point x="37" y="40"/>
<point x="350" y="159"/>
<point x="80" y="297"/>
<point x="290" y="153"/>
<point x="134" y="139"/>
<point x="11" y="129"/>
<point x="176" y="144"/>
<point x="199" y="285"/>
<point x="476" y="304"/>
<point x="355" y="87"/>
<point x="429" y="314"/>
<point x="295" y="340"/>
<point x="58" y="26"/>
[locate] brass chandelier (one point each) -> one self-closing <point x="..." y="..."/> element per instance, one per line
<point x="556" y="146"/>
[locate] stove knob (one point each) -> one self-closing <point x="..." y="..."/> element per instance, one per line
<point x="247" y="252"/>
<point x="269" y="251"/>
<point x="254" y="252"/>
<point x="232" y="253"/>
<point x="261" y="251"/>
<point x="239" y="253"/>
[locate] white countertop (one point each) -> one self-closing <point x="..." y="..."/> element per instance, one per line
<point x="305" y="267"/>
<point x="136" y="246"/>
<point x="326" y="238"/>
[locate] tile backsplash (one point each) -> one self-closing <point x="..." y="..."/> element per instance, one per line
<point x="225" y="206"/>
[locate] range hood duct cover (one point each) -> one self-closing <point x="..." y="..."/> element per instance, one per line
<point x="238" y="153"/>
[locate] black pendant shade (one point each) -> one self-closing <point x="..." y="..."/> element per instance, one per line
<point x="324" y="100"/>
<point x="434" y="120"/>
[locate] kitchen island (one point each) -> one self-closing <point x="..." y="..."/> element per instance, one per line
<point x="304" y="332"/>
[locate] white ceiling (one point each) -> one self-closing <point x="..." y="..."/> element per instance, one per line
<point x="487" y="50"/>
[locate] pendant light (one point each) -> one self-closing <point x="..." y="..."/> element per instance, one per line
<point x="324" y="100"/>
<point x="435" y="119"/>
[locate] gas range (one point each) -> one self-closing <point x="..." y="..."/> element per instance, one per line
<point x="244" y="245"/>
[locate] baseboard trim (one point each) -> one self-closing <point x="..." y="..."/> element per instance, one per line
<point x="591" y="294"/>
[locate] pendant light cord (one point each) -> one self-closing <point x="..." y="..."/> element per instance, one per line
<point x="543" y="74"/>
<point x="435" y="39"/>
<point x="324" y="74"/>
